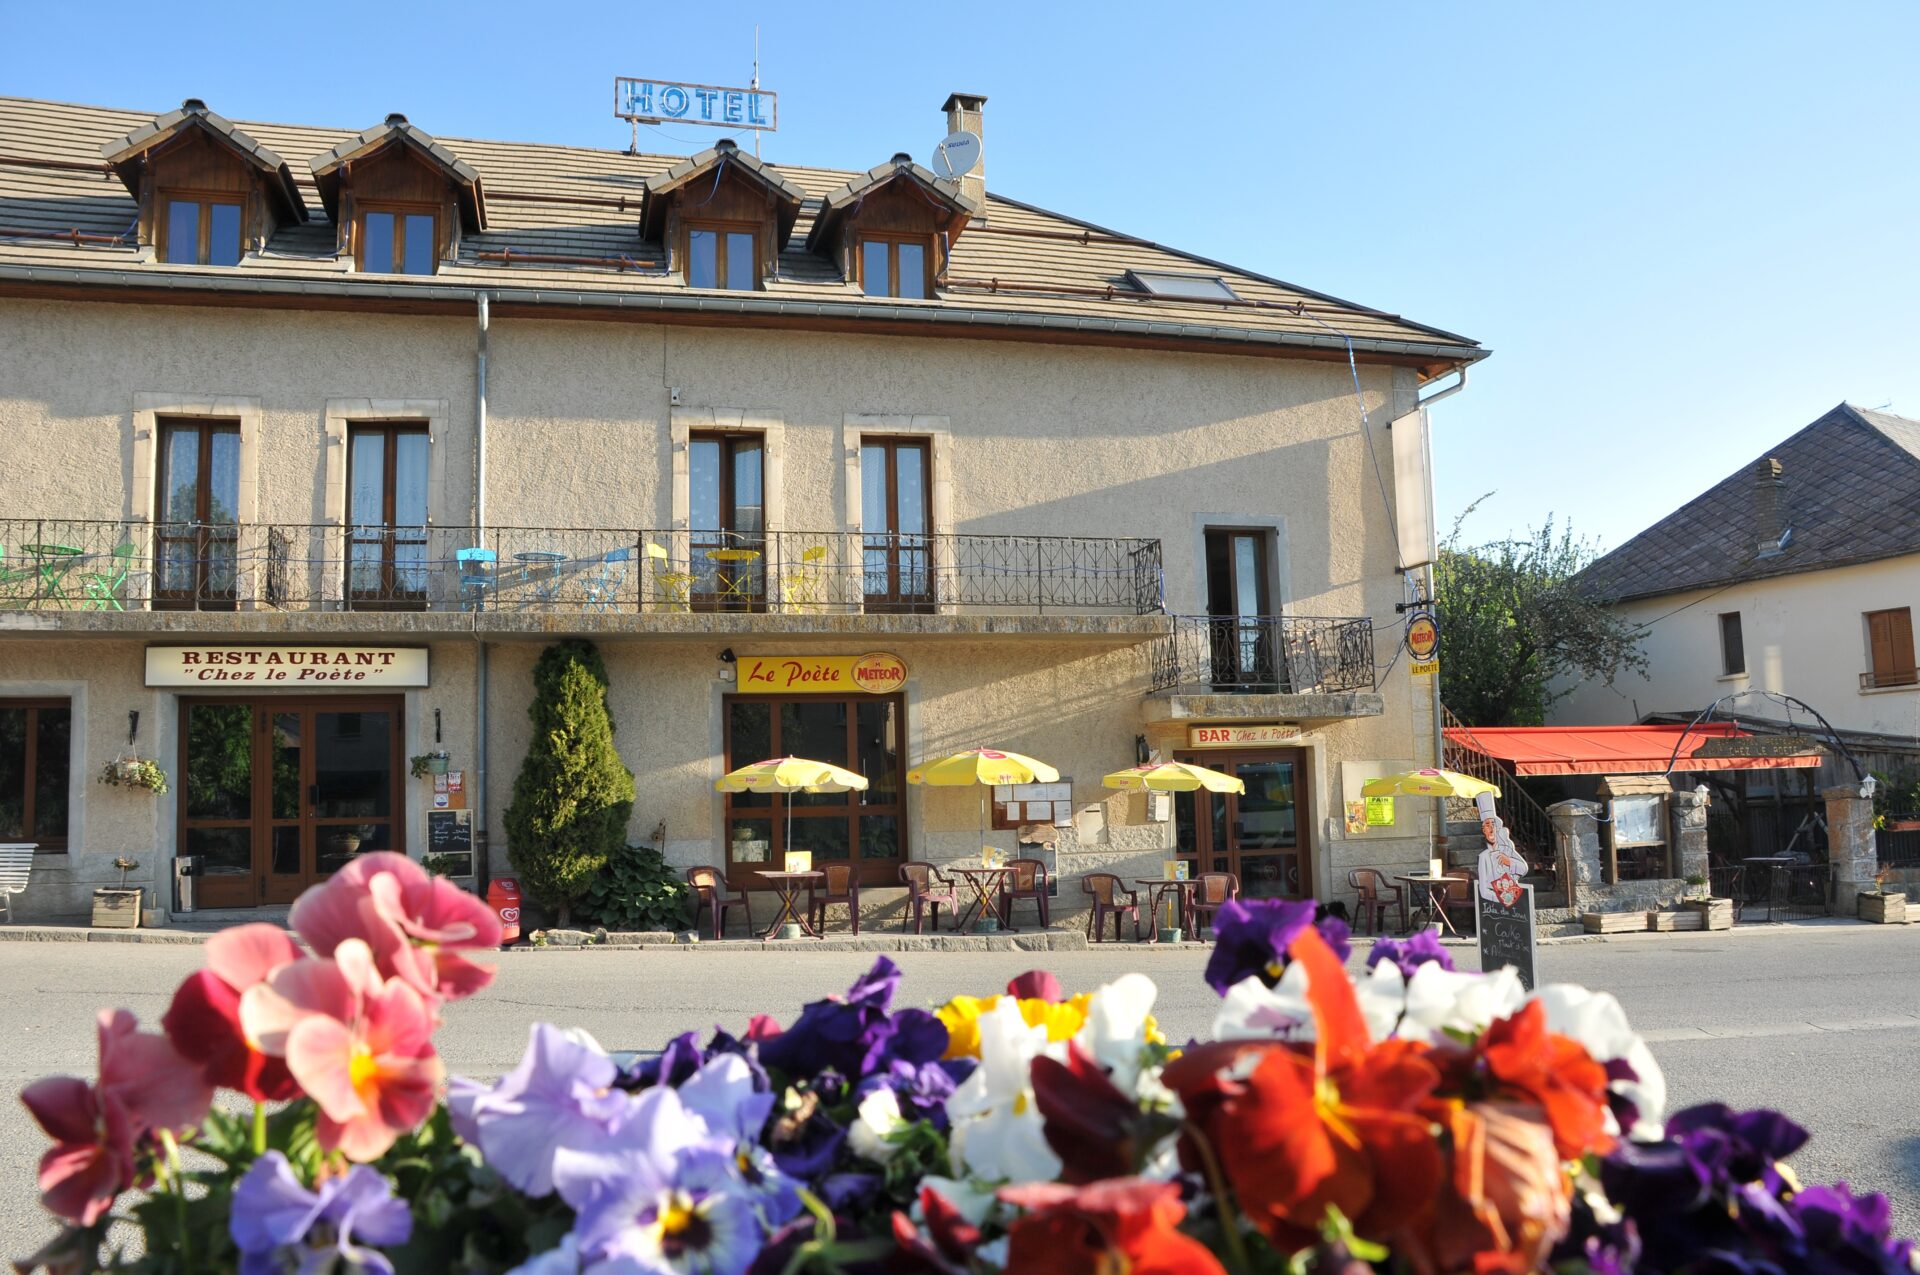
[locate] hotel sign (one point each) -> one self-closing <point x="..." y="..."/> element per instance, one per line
<point x="1240" y="736"/>
<point x="360" y="667"/>
<point x="875" y="674"/>
<point x="661" y="101"/>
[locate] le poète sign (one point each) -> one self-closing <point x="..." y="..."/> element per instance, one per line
<point x="359" y="667"/>
<point x="1240" y="736"/>
<point x="874" y="674"/>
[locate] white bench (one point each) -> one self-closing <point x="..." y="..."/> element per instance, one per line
<point x="16" y="865"/>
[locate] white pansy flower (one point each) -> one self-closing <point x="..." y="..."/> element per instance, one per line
<point x="878" y="1119"/>
<point x="998" y="1134"/>
<point x="1116" y="1028"/>
<point x="1597" y="1022"/>
<point x="1253" y="1011"/>
<point x="1441" y="1001"/>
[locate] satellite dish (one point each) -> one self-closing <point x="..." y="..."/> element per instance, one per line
<point x="957" y="155"/>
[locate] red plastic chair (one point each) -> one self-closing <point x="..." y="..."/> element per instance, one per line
<point x="1211" y="895"/>
<point x="1029" y="881"/>
<point x="927" y="888"/>
<point x="1108" y="891"/>
<point x="710" y="891"/>
<point x="842" y="886"/>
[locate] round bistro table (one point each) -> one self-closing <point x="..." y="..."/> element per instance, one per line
<point x="787" y="886"/>
<point x="1434" y="891"/>
<point x="1158" y="889"/>
<point x="985" y="883"/>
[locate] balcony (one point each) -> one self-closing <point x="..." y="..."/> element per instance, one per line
<point x="595" y="579"/>
<point x="1266" y="666"/>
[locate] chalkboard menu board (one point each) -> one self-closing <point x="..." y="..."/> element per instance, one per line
<point x="1506" y="935"/>
<point x="450" y="832"/>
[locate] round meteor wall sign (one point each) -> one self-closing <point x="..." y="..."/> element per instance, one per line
<point x="1423" y="636"/>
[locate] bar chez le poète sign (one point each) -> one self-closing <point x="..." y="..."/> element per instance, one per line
<point x="287" y="666"/>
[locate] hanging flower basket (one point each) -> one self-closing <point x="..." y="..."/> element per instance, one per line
<point x="134" y="772"/>
<point x="1410" y="1118"/>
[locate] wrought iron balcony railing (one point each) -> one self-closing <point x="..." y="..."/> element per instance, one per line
<point x="55" y="564"/>
<point x="1270" y="654"/>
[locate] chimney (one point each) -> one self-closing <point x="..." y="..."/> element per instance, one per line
<point x="1771" y="531"/>
<point x="965" y="112"/>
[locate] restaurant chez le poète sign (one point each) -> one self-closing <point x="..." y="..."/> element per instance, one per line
<point x="361" y="667"/>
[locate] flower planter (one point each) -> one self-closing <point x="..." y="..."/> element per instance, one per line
<point x="1671" y="922"/>
<point x="1884" y="909"/>
<point x="117" y="909"/>
<point x="1170" y="935"/>
<point x="1716" y="913"/>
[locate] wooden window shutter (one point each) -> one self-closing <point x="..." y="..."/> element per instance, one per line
<point x="1890" y="640"/>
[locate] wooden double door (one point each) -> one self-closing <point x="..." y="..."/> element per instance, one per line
<point x="1264" y="836"/>
<point x="279" y="793"/>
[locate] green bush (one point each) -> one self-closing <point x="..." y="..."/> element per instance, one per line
<point x="638" y="891"/>
<point x="572" y="798"/>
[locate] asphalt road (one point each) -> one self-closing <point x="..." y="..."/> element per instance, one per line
<point x="1820" y="1020"/>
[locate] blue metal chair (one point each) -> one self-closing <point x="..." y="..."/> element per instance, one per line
<point x="476" y="575"/>
<point x="603" y="592"/>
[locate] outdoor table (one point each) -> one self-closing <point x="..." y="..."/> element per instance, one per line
<point x="739" y="585"/>
<point x="787" y="886"/>
<point x="985" y="883"/>
<point x="1769" y="869"/>
<point x="55" y="561"/>
<point x="543" y="568"/>
<point x="1434" y="890"/>
<point x="1159" y="888"/>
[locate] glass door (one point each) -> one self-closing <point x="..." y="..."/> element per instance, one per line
<point x="726" y="488"/>
<point x="1262" y="836"/>
<point x="895" y="518"/>
<point x="199" y="509"/>
<point x="1242" y="630"/>
<point x="351" y="784"/>
<point x="387" y="517"/>
<point x="217" y="800"/>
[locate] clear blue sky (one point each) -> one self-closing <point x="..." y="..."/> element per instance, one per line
<point x="1685" y="230"/>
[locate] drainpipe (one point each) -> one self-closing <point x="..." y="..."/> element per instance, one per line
<point x="1433" y="600"/>
<point x="481" y="846"/>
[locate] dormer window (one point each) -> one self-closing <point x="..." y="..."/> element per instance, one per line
<point x="896" y="266"/>
<point x="722" y="255"/>
<point x="200" y="230"/>
<point x="396" y="239"/>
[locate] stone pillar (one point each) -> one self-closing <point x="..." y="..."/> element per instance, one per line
<point x="1689" y="832"/>
<point x="1576" y="839"/>
<point x="1850" y="846"/>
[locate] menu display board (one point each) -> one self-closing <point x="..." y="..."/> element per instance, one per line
<point x="1507" y="935"/>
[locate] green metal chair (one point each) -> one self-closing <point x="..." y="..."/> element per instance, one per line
<point x="106" y="590"/>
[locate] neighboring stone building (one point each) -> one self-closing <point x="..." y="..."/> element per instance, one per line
<point x="314" y="439"/>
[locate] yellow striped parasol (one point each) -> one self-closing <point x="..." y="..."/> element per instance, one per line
<point x="790" y="774"/>
<point x="982" y="766"/>
<point x="1427" y="783"/>
<point x="1173" y="776"/>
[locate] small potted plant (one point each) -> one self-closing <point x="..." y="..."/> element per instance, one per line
<point x="118" y="908"/>
<point x="1883" y="906"/>
<point x="421" y="765"/>
<point x="135" y="772"/>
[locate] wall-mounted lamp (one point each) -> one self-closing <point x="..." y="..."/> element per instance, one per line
<point x="133" y="725"/>
<point x="436" y="725"/>
<point x="1141" y="754"/>
<point x="727" y="656"/>
<point x="727" y="673"/>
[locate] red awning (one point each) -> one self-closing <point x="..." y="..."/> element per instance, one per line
<point x="1612" y="750"/>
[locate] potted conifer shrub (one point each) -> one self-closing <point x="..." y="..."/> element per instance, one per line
<point x="572" y="798"/>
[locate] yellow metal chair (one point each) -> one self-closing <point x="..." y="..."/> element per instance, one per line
<point x="801" y="589"/>
<point x="675" y="588"/>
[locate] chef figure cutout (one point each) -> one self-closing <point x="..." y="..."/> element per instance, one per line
<point x="1502" y="869"/>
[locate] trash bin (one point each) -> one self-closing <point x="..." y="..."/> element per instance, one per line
<point x="186" y="888"/>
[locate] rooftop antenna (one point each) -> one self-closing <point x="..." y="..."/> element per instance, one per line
<point x="756" y="83"/>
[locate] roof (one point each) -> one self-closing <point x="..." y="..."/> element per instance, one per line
<point x="1024" y="272"/>
<point x="124" y="153"/>
<point x="1613" y="750"/>
<point x="326" y="166"/>
<point x="1851" y="484"/>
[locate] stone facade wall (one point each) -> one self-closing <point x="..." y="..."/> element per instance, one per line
<point x="1851" y="850"/>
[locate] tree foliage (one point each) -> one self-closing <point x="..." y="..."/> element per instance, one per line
<point x="1517" y="635"/>
<point x="572" y="798"/>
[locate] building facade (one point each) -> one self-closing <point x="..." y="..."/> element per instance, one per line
<point x="310" y="458"/>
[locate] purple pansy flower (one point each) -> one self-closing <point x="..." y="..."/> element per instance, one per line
<point x="1410" y="953"/>
<point x="273" y="1213"/>
<point x="560" y="1096"/>
<point x="1251" y="939"/>
<point x="853" y="1035"/>
<point x="685" y="1211"/>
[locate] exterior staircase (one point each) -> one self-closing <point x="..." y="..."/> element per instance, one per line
<point x="1526" y="820"/>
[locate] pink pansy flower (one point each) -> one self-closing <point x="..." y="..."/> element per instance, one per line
<point x="204" y="1020"/>
<point x="358" y="1044"/>
<point x="144" y="1085"/>
<point x="414" y="922"/>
